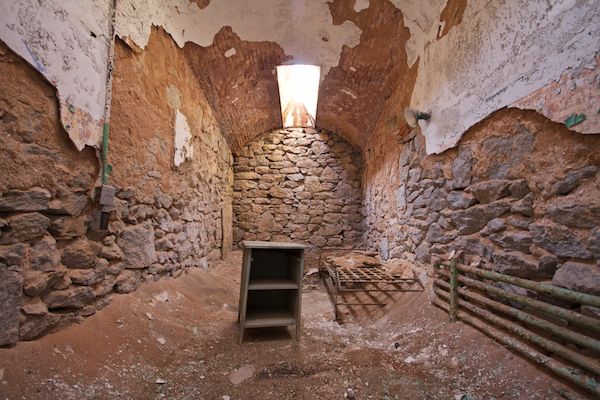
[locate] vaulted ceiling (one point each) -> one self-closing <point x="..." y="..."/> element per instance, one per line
<point x="359" y="45"/>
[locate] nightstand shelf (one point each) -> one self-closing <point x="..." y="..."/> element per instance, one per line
<point x="271" y="285"/>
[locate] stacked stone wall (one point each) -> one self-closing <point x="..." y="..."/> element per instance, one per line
<point x="301" y="185"/>
<point x="520" y="194"/>
<point x="54" y="270"/>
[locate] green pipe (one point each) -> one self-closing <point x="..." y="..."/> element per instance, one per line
<point x="571" y="374"/>
<point x="526" y="334"/>
<point x="453" y="291"/>
<point x="563" y="333"/>
<point x="573" y="317"/>
<point x="561" y="293"/>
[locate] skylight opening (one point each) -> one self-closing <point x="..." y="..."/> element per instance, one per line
<point x="298" y="94"/>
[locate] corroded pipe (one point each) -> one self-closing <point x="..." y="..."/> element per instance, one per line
<point x="571" y="374"/>
<point x="558" y="292"/>
<point x="571" y="316"/>
<point x="453" y="291"/>
<point x="526" y="334"/>
<point x="563" y="333"/>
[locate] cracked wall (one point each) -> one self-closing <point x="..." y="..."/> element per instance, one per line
<point x="66" y="42"/>
<point x="54" y="269"/>
<point x="500" y="53"/>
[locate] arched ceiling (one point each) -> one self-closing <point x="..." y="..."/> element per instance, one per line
<point x="359" y="46"/>
<point x="243" y="87"/>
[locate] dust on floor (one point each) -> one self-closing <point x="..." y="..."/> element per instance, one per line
<point x="177" y="339"/>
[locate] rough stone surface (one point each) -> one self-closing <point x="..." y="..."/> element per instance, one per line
<point x="475" y="218"/>
<point x="578" y="276"/>
<point x="43" y="255"/>
<point x="521" y="265"/>
<point x="306" y="190"/>
<point x="23" y="228"/>
<point x="128" y="281"/>
<point x="11" y="287"/>
<point x="74" y="297"/>
<point x="502" y="212"/>
<point x="573" y="179"/>
<point x="137" y="244"/>
<point x="80" y="254"/>
<point x="558" y="240"/>
<point x="34" y="199"/>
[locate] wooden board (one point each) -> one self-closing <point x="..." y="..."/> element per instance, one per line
<point x="251" y="244"/>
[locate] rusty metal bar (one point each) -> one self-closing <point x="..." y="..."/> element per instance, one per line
<point x="453" y="291"/>
<point x="563" y="333"/>
<point x="558" y="292"/>
<point x="571" y="374"/>
<point x="526" y="334"/>
<point x="571" y="316"/>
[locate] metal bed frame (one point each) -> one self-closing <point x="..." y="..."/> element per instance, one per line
<point x="365" y="279"/>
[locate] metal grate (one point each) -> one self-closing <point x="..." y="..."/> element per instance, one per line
<point x="365" y="279"/>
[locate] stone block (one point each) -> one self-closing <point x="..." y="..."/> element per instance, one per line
<point x="34" y="199"/>
<point x="577" y="276"/>
<point x="23" y="228"/>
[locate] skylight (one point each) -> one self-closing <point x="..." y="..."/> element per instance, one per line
<point x="298" y="94"/>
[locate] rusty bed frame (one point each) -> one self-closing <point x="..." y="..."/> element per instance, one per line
<point x="365" y="279"/>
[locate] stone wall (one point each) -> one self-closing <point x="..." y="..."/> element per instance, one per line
<point x="298" y="184"/>
<point x="53" y="269"/>
<point x="520" y="193"/>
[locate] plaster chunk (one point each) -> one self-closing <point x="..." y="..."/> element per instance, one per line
<point x="184" y="147"/>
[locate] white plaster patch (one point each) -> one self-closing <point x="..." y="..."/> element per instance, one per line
<point x="360" y="5"/>
<point x="55" y="38"/>
<point x="230" y="52"/>
<point x="348" y="92"/>
<point x="501" y="52"/>
<point x="295" y="26"/>
<point x="184" y="146"/>
<point x="422" y="18"/>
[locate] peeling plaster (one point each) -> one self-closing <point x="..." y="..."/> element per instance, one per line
<point x="184" y="146"/>
<point x="298" y="27"/>
<point x="576" y="92"/>
<point x="421" y="17"/>
<point x="360" y="5"/>
<point x="55" y="37"/>
<point x="502" y="52"/>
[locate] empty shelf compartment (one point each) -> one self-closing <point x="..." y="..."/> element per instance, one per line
<point x="269" y="318"/>
<point x="272" y="283"/>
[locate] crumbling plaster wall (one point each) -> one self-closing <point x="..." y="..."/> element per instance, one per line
<point x="299" y="29"/>
<point x="500" y="53"/>
<point x="66" y="41"/>
<point x="54" y="270"/>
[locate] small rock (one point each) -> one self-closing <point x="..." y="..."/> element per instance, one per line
<point x="160" y="381"/>
<point x="241" y="374"/>
<point x="161" y="340"/>
<point x="573" y="179"/>
<point x="149" y="316"/>
<point x="349" y="393"/>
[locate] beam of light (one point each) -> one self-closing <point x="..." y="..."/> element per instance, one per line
<point x="298" y="94"/>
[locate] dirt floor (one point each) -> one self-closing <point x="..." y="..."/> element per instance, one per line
<point x="177" y="339"/>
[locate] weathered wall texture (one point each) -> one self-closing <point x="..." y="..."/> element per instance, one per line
<point x="53" y="269"/>
<point x="520" y="192"/>
<point x="501" y="52"/>
<point x="299" y="184"/>
<point x="66" y="42"/>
